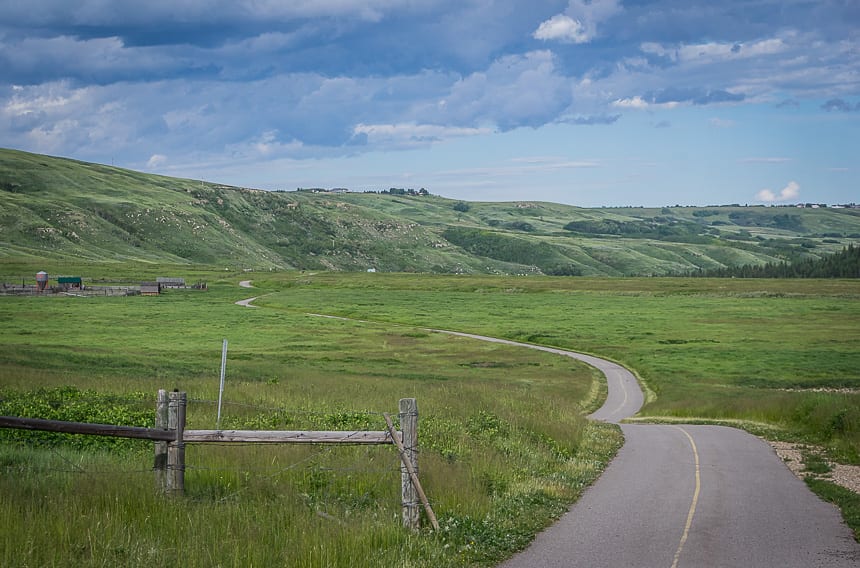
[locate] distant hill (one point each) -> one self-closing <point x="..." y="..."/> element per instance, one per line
<point x="60" y="208"/>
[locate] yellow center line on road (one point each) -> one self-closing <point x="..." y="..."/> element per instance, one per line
<point x="695" y="498"/>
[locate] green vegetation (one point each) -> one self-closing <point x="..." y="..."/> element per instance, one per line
<point x="73" y="405"/>
<point x="52" y="208"/>
<point x="847" y="501"/>
<point x="845" y="264"/>
<point x="778" y="355"/>
<point x="504" y="444"/>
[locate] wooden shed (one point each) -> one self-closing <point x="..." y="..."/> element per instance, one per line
<point x="150" y="288"/>
<point x="166" y="282"/>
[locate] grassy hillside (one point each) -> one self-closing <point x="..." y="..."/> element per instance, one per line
<point x="56" y="208"/>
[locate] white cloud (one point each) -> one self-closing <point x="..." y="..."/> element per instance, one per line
<point x="155" y="161"/>
<point x="789" y="192"/>
<point x="713" y="51"/>
<point x="579" y="22"/>
<point x="765" y="195"/>
<point x="516" y="90"/>
<point x="562" y="28"/>
<point x="638" y="103"/>
<point x="412" y="134"/>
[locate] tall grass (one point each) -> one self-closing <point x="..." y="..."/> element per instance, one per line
<point x="782" y="352"/>
<point x="504" y="445"/>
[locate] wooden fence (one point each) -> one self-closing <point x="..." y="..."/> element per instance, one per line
<point x="170" y="437"/>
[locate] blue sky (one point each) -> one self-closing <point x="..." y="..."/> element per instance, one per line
<point x="601" y="102"/>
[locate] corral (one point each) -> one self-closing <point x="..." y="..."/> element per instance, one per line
<point x="75" y="286"/>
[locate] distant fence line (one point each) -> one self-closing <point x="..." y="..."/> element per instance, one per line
<point x="170" y="437"/>
<point x="12" y="290"/>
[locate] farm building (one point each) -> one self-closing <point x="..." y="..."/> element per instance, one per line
<point x="150" y="288"/>
<point x="165" y="282"/>
<point x="70" y="282"/>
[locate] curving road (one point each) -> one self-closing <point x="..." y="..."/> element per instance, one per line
<point x="697" y="496"/>
<point x="624" y="398"/>
<point x="247" y="301"/>
<point x="686" y="496"/>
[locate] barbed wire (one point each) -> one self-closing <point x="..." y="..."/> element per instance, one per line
<point x="284" y="408"/>
<point x="327" y="494"/>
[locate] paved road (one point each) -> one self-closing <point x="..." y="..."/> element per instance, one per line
<point x="247" y="301"/>
<point x="624" y="398"/>
<point x="697" y="496"/>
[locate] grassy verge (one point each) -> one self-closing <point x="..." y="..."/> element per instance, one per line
<point x="847" y="501"/>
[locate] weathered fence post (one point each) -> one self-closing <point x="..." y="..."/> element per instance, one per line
<point x="161" y="447"/>
<point x="176" y="448"/>
<point x="409" y="495"/>
<point x="410" y="463"/>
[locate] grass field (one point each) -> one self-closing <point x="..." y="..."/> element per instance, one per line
<point x="504" y="444"/>
<point x="778" y="353"/>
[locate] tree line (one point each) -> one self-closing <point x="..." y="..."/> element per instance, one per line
<point x="844" y="264"/>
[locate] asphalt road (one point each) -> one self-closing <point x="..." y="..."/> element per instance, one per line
<point x="689" y="496"/>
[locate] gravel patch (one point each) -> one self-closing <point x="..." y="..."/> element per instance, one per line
<point x="847" y="476"/>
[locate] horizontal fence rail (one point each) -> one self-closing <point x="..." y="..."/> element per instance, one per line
<point x="288" y="437"/>
<point x="170" y="437"/>
<point x="86" y="428"/>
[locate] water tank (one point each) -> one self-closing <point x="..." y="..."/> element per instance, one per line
<point x="41" y="280"/>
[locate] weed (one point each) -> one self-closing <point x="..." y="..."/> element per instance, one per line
<point x="847" y="501"/>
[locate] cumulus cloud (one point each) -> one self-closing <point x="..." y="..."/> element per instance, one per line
<point x="516" y="90"/>
<point x="789" y="192"/>
<point x="675" y="96"/>
<point x="634" y="103"/>
<point x="579" y="22"/>
<point x="155" y="161"/>
<point x="562" y="28"/>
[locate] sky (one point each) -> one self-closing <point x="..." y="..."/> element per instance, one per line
<point x="585" y="102"/>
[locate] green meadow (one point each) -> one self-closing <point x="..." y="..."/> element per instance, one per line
<point x="779" y="357"/>
<point x="504" y="445"/>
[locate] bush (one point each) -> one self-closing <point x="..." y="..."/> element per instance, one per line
<point x="70" y="404"/>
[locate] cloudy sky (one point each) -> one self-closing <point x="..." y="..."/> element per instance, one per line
<point x="600" y="102"/>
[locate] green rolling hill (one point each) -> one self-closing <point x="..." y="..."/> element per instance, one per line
<point x="56" y="208"/>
